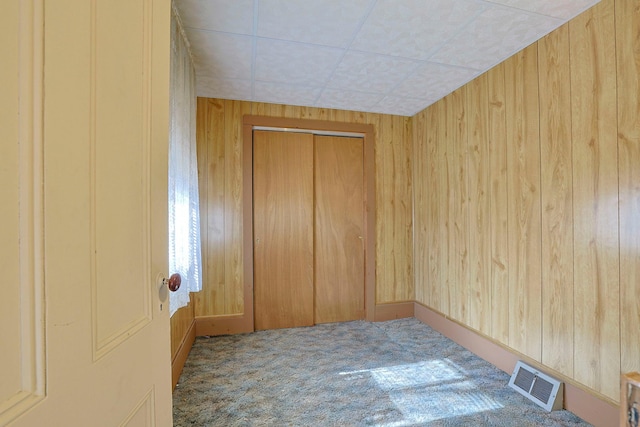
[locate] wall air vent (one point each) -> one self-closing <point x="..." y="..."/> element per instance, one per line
<point x="539" y="387"/>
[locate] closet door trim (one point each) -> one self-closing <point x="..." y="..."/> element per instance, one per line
<point x="367" y="132"/>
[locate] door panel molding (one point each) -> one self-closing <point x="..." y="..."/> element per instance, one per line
<point x="142" y="413"/>
<point x="120" y="150"/>
<point x="22" y="315"/>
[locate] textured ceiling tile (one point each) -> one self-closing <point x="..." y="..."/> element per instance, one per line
<point x="322" y="52"/>
<point x="221" y="55"/>
<point x="223" y="88"/>
<point x="483" y="43"/>
<point x="233" y="16"/>
<point x="295" y="63"/>
<point x="413" y="28"/>
<point x="348" y="100"/>
<point x="329" y="23"/>
<point x="565" y="9"/>
<point x="285" y="94"/>
<point x="433" y="81"/>
<point x="400" y="106"/>
<point x="368" y="72"/>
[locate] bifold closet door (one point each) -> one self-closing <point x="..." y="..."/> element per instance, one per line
<point x="283" y="229"/>
<point x="339" y="228"/>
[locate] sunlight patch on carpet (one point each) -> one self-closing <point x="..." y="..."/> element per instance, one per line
<point x="429" y="390"/>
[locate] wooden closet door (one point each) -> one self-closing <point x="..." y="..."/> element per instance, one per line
<point x="339" y="228"/>
<point x="283" y="229"/>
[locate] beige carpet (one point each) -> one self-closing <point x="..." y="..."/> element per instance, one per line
<point x="396" y="373"/>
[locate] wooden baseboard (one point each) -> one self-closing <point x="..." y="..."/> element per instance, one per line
<point x="585" y="404"/>
<point x="238" y="324"/>
<point x="223" y="325"/>
<point x="401" y="310"/>
<point x="181" y="355"/>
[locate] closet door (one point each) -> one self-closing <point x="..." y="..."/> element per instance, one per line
<point x="339" y="228"/>
<point x="283" y="229"/>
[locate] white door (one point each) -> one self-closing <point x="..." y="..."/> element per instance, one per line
<point x="84" y="337"/>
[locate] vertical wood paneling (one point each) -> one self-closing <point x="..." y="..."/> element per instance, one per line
<point x="523" y="186"/>
<point x="498" y="204"/>
<point x="564" y="202"/>
<point x="595" y="190"/>
<point x="356" y="117"/>
<point x="221" y="125"/>
<point x="435" y="216"/>
<point x="180" y="323"/>
<point x="478" y="315"/>
<point x="457" y="220"/>
<point x="590" y="229"/>
<point x="444" y="214"/>
<point x="233" y="113"/>
<point x="202" y="150"/>
<point x="421" y="193"/>
<point x="211" y="126"/>
<point x="405" y="210"/>
<point x="394" y="252"/>
<point x="628" y="61"/>
<point x="384" y="164"/>
<point x="557" y="199"/>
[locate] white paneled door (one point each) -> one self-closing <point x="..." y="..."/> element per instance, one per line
<point x="84" y="332"/>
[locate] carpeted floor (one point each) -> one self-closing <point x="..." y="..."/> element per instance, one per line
<point x="396" y="373"/>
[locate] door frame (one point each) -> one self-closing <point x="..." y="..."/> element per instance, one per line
<point x="367" y="130"/>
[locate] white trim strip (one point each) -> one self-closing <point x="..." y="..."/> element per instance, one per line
<point x="311" y="131"/>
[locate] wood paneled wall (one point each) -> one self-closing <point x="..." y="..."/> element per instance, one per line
<point x="181" y="322"/>
<point x="627" y="20"/>
<point x="527" y="200"/>
<point x="183" y="333"/>
<point x="219" y="127"/>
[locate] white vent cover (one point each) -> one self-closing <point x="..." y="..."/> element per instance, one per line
<point x="542" y="389"/>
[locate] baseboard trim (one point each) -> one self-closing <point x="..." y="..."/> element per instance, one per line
<point x="179" y="359"/>
<point x="223" y="325"/>
<point x="401" y="310"/>
<point x="585" y="404"/>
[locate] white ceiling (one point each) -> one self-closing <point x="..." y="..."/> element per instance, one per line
<point x="383" y="56"/>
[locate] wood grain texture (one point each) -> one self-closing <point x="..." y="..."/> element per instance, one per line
<point x="202" y="150"/>
<point x="210" y="126"/>
<point x="421" y="193"/>
<point x="438" y="208"/>
<point x="523" y="186"/>
<point x="596" y="300"/>
<point x="394" y="237"/>
<point x="628" y="65"/>
<point x="338" y="229"/>
<point x="595" y="195"/>
<point x="457" y="220"/>
<point x="588" y="406"/>
<point x="233" y="113"/>
<point x="180" y="323"/>
<point x="557" y="200"/>
<point x="224" y="280"/>
<point x="564" y="239"/>
<point x="182" y="335"/>
<point x="405" y="218"/>
<point x="283" y="229"/>
<point x="478" y="315"/>
<point x="499" y="202"/>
